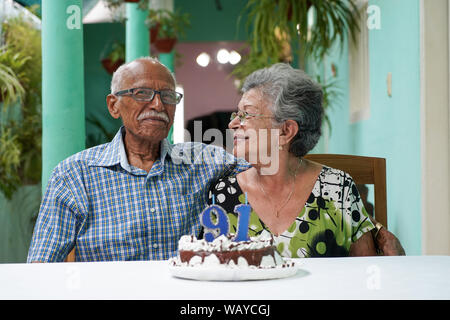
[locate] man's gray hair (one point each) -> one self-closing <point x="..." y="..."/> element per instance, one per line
<point x="294" y="96"/>
<point x="119" y="73"/>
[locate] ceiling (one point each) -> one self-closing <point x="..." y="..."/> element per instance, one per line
<point x="87" y="4"/>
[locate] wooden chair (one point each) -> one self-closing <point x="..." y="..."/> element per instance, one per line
<point x="71" y="256"/>
<point x="364" y="170"/>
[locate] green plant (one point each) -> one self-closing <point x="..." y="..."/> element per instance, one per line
<point x="118" y="15"/>
<point x="117" y="52"/>
<point x="12" y="75"/>
<point x="270" y="24"/>
<point x="114" y="58"/>
<point x="312" y="27"/>
<point x="331" y="92"/>
<point x="170" y="24"/>
<point x="9" y="162"/>
<point x="102" y="135"/>
<point x="115" y="4"/>
<point x="20" y="125"/>
<point x="10" y="88"/>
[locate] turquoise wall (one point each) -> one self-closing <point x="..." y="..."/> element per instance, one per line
<point x="393" y="128"/>
<point x="210" y="24"/>
<point x="98" y="39"/>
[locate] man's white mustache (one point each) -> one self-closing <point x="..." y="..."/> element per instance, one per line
<point x="152" y="113"/>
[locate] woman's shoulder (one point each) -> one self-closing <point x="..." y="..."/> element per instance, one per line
<point x="223" y="182"/>
<point x="335" y="176"/>
<point x="226" y="192"/>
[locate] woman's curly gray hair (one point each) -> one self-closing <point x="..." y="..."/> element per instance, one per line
<point x="293" y="96"/>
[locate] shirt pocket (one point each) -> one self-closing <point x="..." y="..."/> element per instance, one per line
<point x="183" y="212"/>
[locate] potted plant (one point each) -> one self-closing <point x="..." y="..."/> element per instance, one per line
<point x="115" y="58"/>
<point x="166" y="27"/>
<point x="115" y="4"/>
<point x="20" y="125"/>
<point x="267" y="20"/>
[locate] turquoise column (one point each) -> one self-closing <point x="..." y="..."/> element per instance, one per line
<point x="137" y="33"/>
<point x="63" y="122"/>
<point x="168" y="59"/>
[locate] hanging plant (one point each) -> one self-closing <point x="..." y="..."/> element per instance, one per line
<point x="310" y="27"/>
<point x="270" y="24"/>
<point x="115" y="4"/>
<point x="114" y="58"/>
<point x="166" y="27"/>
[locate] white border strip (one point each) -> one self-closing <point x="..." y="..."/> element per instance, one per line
<point x="423" y="127"/>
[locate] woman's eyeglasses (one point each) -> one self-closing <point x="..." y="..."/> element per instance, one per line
<point x="147" y="94"/>
<point x="244" y="115"/>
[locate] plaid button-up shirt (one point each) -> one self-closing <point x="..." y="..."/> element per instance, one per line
<point x="109" y="210"/>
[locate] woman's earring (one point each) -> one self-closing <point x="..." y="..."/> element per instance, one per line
<point x="280" y="147"/>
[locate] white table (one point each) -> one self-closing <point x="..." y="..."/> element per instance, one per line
<point x="415" y="277"/>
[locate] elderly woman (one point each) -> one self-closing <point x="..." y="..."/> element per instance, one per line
<point x="310" y="209"/>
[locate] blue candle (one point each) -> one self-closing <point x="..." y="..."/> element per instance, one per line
<point x="243" y="211"/>
<point x="221" y="224"/>
<point x="214" y="229"/>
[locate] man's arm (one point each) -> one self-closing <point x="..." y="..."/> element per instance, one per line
<point x="234" y="165"/>
<point x="54" y="231"/>
<point x="386" y="241"/>
<point x="364" y="246"/>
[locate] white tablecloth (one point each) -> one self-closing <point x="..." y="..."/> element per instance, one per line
<point x="416" y="277"/>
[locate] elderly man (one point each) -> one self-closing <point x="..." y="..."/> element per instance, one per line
<point x="132" y="198"/>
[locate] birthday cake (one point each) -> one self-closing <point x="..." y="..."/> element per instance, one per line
<point x="224" y="257"/>
<point x="223" y="251"/>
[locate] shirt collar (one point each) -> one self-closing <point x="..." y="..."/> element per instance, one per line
<point x="114" y="153"/>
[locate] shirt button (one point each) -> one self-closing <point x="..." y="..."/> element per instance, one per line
<point x="152" y="210"/>
<point x="155" y="245"/>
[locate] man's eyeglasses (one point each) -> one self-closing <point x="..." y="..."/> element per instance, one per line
<point x="147" y="94"/>
<point x="243" y="116"/>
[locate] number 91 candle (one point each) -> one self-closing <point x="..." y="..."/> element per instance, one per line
<point x="215" y="221"/>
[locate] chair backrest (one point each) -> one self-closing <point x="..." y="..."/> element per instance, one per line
<point x="71" y="256"/>
<point x="364" y="170"/>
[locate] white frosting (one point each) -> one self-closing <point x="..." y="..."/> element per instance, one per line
<point x="195" y="260"/>
<point x="267" y="261"/>
<point x="278" y="259"/>
<point x="211" y="261"/>
<point x="222" y="243"/>
<point x="231" y="264"/>
<point x="242" y="263"/>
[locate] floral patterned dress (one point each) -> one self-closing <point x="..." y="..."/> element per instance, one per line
<point x="332" y="218"/>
